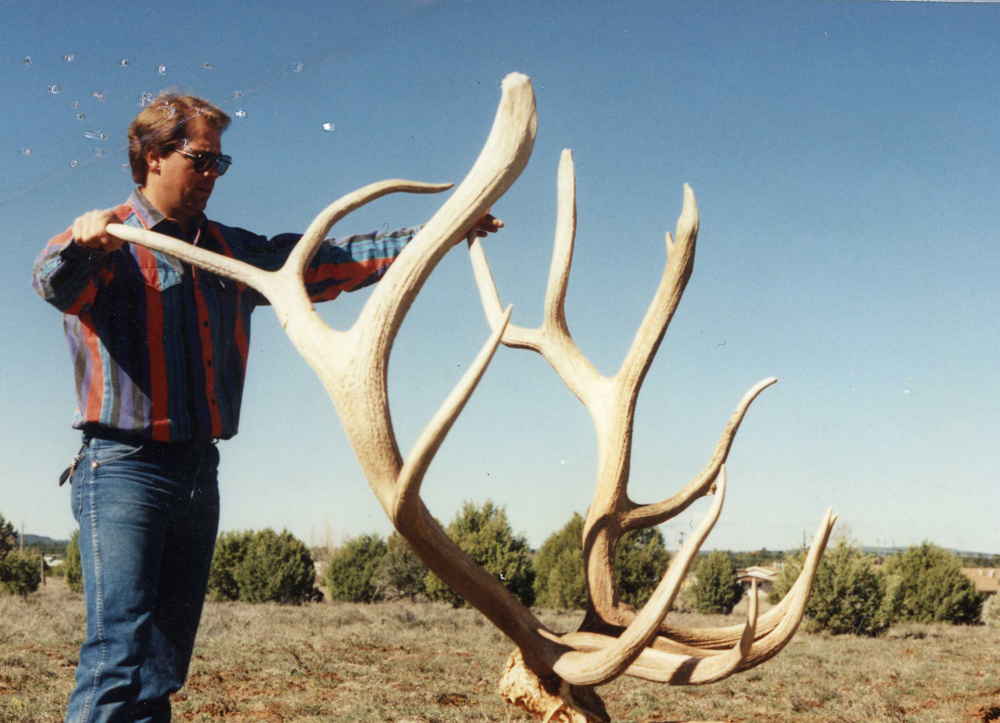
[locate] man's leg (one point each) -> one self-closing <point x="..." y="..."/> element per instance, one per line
<point x="122" y="530"/>
<point x="187" y="560"/>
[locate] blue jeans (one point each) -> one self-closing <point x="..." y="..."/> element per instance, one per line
<point x="148" y="514"/>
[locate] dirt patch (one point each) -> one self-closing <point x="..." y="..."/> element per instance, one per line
<point x="985" y="713"/>
<point x="456" y="699"/>
<point x="213" y="710"/>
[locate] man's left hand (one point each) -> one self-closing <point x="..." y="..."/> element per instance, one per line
<point x="487" y="224"/>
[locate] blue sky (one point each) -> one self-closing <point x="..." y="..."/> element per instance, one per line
<point x="844" y="158"/>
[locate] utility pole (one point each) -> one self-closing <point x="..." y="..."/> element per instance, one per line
<point x="681" y="544"/>
<point x="22" y="538"/>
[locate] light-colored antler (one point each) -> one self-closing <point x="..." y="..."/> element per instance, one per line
<point x="352" y="365"/>
<point x="611" y="404"/>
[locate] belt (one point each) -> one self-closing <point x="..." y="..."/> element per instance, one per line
<point x="135" y="439"/>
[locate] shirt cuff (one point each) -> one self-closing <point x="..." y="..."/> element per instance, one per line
<point x="74" y="252"/>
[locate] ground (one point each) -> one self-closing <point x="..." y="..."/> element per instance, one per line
<point x="427" y="663"/>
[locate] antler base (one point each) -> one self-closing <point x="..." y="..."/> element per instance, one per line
<point x="551" y="699"/>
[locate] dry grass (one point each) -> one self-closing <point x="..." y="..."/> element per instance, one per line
<point x="431" y="664"/>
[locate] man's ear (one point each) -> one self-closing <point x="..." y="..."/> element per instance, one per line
<point x="153" y="160"/>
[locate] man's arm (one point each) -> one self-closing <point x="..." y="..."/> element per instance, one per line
<point x="72" y="268"/>
<point x="348" y="263"/>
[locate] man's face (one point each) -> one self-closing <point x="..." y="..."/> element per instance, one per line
<point x="174" y="175"/>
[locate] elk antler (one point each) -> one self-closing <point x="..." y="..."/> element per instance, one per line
<point x="611" y="403"/>
<point x="352" y="365"/>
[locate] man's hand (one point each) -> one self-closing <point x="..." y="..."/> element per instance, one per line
<point x="487" y="224"/>
<point x="90" y="231"/>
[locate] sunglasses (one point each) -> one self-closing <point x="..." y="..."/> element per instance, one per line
<point x="205" y="160"/>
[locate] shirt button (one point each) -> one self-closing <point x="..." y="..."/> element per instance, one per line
<point x="204" y="323"/>
<point x="208" y="362"/>
<point x="213" y="404"/>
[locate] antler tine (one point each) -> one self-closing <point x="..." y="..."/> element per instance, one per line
<point x="705" y="670"/>
<point x="599" y="667"/>
<point x="552" y="339"/>
<point x="562" y="253"/>
<point x="666" y="658"/>
<point x="408" y="486"/>
<point x="679" y="669"/>
<point x="680" y="262"/>
<point x="501" y="161"/>
<point x="771" y="644"/>
<point x="697" y="641"/>
<point x="312" y="239"/>
<point x="239" y="271"/>
<point x="643" y="516"/>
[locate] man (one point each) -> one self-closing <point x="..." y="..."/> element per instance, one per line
<point x="160" y="350"/>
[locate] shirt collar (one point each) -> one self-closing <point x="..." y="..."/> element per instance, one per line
<point x="150" y="215"/>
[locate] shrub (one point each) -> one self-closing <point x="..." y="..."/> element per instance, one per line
<point x="350" y="571"/>
<point x="276" y="568"/>
<point x="230" y="549"/>
<point x="847" y="594"/>
<point x="485" y="535"/>
<point x="8" y="537"/>
<point x="559" y="574"/>
<point x="716" y="588"/>
<point x="74" y="569"/>
<point x="991" y="611"/>
<point x="400" y="573"/>
<point x="926" y="585"/>
<point x="19" y="575"/>
<point x="640" y="561"/>
<point x="560" y="582"/>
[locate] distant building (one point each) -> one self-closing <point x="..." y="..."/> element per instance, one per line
<point x="986" y="580"/>
<point x="765" y="578"/>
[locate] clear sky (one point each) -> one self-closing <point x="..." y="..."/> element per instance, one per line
<point x="845" y="160"/>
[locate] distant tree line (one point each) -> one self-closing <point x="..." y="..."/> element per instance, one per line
<point x="853" y="592"/>
<point x="980" y="560"/>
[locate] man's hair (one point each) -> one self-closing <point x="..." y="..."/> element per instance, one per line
<point x="161" y="125"/>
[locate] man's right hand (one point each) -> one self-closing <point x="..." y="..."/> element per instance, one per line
<point x="90" y="231"/>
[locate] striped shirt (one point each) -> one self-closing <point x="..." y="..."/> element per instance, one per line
<point x="160" y="348"/>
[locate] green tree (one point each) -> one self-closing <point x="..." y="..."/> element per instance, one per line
<point x="19" y="575"/>
<point x="847" y="594"/>
<point x="276" y="568"/>
<point x="400" y="573"/>
<point x="716" y="588"/>
<point x="8" y="537"/>
<point x="640" y="561"/>
<point x="74" y="569"/>
<point x="991" y="611"/>
<point x="230" y="549"/>
<point x="560" y="581"/>
<point x="926" y="585"/>
<point x="350" y="571"/>
<point x="485" y="535"/>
